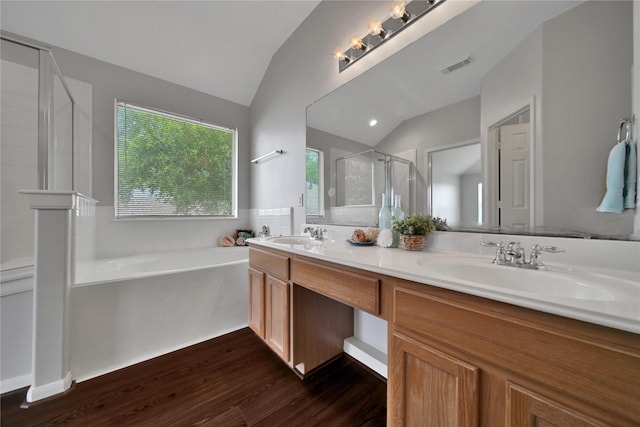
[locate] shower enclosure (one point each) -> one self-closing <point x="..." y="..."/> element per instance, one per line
<point x="361" y="178"/>
<point x="37" y="141"/>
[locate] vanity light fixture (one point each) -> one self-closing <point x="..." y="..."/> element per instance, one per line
<point x="399" y="11"/>
<point x="356" y="43"/>
<point x="375" y="29"/>
<point x="340" y="55"/>
<point x="402" y="14"/>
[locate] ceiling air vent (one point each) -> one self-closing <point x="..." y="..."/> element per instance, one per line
<point x="466" y="61"/>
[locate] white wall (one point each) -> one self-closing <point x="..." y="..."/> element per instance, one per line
<point x="447" y="197"/>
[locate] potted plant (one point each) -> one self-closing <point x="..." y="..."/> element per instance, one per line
<point x="413" y="231"/>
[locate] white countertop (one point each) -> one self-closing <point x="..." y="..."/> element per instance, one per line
<point x="621" y="311"/>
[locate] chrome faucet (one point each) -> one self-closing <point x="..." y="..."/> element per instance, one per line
<point x="501" y="255"/>
<point x="535" y="260"/>
<point x="316" y="233"/>
<point x="514" y="255"/>
<point x="264" y="231"/>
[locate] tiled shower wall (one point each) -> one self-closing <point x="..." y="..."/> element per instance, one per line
<point x="19" y="142"/>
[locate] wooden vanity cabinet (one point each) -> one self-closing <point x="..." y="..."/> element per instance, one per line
<point x="460" y="360"/>
<point x="256" y="301"/>
<point x="305" y="327"/>
<point x="453" y="359"/>
<point x="269" y="299"/>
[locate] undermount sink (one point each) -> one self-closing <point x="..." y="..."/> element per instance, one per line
<point x="558" y="284"/>
<point x="294" y="240"/>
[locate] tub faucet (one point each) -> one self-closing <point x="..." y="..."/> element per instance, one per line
<point x="316" y="233"/>
<point x="264" y="231"/>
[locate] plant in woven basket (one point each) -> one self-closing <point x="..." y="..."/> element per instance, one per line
<point x="413" y="231"/>
<point x="414" y="225"/>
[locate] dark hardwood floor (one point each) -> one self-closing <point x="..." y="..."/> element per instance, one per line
<point x="233" y="380"/>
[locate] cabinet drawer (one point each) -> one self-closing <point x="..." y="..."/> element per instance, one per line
<point x="352" y="289"/>
<point x="271" y="263"/>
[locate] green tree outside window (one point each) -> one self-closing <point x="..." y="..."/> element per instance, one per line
<point x="171" y="166"/>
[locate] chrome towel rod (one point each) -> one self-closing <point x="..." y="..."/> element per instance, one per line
<point x="257" y="159"/>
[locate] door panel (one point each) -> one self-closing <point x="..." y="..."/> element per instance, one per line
<point x="528" y="409"/>
<point x="515" y="181"/>
<point x="256" y="301"/>
<point x="430" y="388"/>
<point x="277" y="316"/>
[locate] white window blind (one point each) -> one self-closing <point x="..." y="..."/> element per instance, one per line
<point x="168" y="166"/>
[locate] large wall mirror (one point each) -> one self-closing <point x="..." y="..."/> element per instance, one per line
<point x="513" y="106"/>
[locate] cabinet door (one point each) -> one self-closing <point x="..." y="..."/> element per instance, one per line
<point x="256" y="301"/>
<point x="277" y="316"/>
<point x="428" y="387"/>
<point x="528" y="409"/>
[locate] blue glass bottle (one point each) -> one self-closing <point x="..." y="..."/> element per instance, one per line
<point x="385" y="235"/>
<point x="397" y="214"/>
<point x="384" y="216"/>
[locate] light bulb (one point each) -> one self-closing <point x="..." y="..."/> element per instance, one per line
<point x="375" y="28"/>
<point x="356" y="43"/>
<point x="373" y="122"/>
<point x="339" y="55"/>
<point x="398" y="10"/>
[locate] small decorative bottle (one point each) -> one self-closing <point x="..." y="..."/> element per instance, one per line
<point x="385" y="235"/>
<point x="397" y="214"/>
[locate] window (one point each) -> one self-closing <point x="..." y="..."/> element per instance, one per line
<point x="315" y="202"/>
<point x="172" y="166"/>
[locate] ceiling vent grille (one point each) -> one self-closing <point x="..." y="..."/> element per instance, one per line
<point x="463" y="63"/>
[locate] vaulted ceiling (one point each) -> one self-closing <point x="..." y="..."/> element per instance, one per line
<point x="222" y="48"/>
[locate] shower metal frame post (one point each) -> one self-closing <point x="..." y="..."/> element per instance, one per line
<point x="46" y="127"/>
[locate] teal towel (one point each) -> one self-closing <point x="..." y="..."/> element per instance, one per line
<point x="613" y="201"/>
<point x="630" y="175"/>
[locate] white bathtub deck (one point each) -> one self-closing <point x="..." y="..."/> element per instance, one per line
<point x="157" y="264"/>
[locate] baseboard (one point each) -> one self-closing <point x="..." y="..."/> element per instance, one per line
<point x="42" y="392"/>
<point x="15" y="383"/>
<point x="367" y="355"/>
<point x="158" y="353"/>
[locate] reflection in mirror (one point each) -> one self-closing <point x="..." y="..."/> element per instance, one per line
<point x="315" y="186"/>
<point x="360" y="180"/>
<point x="578" y="54"/>
<point x="454" y="191"/>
